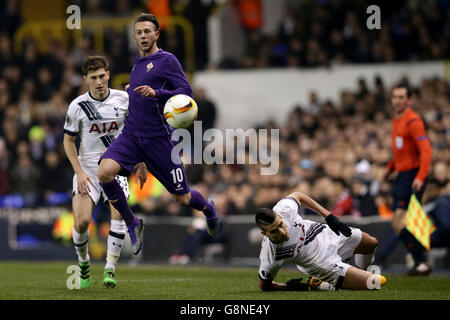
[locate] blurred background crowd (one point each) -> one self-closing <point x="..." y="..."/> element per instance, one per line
<point x="333" y="150"/>
<point x="337" y="152"/>
<point x="319" y="33"/>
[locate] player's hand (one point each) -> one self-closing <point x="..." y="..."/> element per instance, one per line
<point x="127" y="86"/>
<point x="141" y="174"/>
<point x="296" y="285"/>
<point x="83" y="182"/>
<point x="337" y="226"/>
<point x="145" y="91"/>
<point x="417" y="185"/>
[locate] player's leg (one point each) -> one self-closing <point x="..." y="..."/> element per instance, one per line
<point x="121" y="156"/>
<point x="357" y="279"/>
<point x="359" y="244"/>
<point x="107" y="171"/>
<point x="167" y="167"/>
<point x="402" y="196"/>
<point x="194" y="199"/>
<point x="115" y="243"/>
<point x="115" y="238"/>
<point x="364" y="252"/>
<point x="407" y="238"/>
<point x="340" y="274"/>
<point x="398" y="220"/>
<point x="82" y="208"/>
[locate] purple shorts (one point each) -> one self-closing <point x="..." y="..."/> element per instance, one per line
<point x="128" y="150"/>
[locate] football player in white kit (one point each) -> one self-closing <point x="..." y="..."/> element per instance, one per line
<point x="97" y="117"/>
<point x="319" y="250"/>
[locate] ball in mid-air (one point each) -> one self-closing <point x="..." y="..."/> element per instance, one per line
<point x="180" y="111"/>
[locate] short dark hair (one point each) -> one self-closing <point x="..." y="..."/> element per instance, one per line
<point x="264" y="217"/>
<point x="93" y="63"/>
<point x="147" y="17"/>
<point x="403" y="86"/>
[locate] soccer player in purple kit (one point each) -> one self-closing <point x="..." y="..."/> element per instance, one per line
<point x="156" y="76"/>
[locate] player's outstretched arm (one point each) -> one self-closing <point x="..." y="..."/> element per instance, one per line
<point x="270" y="285"/>
<point x="297" y="284"/>
<point x="307" y="202"/>
<point x="333" y="222"/>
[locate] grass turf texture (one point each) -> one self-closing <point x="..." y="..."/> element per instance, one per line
<point x="47" y="280"/>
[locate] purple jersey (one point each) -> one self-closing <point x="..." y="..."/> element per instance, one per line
<point x="162" y="72"/>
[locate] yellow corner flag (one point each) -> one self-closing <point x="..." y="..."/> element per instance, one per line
<point x="418" y="223"/>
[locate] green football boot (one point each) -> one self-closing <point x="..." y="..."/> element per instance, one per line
<point x="109" y="280"/>
<point x="85" y="277"/>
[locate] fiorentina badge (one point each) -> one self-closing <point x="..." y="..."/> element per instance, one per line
<point x="149" y="66"/>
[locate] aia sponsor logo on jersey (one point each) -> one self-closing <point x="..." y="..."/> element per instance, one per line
<point x="104" y="127"/>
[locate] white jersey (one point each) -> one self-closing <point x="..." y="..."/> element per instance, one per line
<point x="97" y="122"/>
<point x="313" y="247"/>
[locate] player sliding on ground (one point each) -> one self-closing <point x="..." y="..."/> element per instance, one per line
<point x="156" y="76"/>
<point x="317" y="249"/>
<point x="97" y="117"/>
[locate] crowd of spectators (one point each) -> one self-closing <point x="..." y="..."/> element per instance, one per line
<point x="336" y="152"/>
<point x="310" y="33"/>
<point x="322" y="33"/>
<point x="332" y="150"/>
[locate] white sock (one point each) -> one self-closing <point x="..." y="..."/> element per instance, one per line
<point x="115" y="242"/>
<point x="81" y="244"/>
<point x="363" y="261"/>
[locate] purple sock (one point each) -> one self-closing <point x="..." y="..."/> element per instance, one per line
<point x="114" y="192"/>
<point x="199" y="203"/>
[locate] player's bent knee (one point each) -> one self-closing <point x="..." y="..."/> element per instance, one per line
<point x="183" y="200"/>
<point x="367" y="245"/>
<point x="104" y="175"/>
<point x="372" y="242"/>
<point x="107" y="170"/>
<point x="82" y="225"/>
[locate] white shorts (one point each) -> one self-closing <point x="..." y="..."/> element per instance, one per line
<point x="96" y="190"/>
<point x="328" y="253"/>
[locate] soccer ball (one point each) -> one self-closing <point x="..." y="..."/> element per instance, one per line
<point x="180" y="111"/>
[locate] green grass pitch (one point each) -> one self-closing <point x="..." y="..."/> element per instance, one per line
<point x="47" y="281"/>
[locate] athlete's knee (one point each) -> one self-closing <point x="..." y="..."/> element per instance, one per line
<point x="372" y="243"/>
<point x="183" y="199"/>
<point x="81" y="225"/>
<point x="367" y="245"/>
<point x="104" y="174"/>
